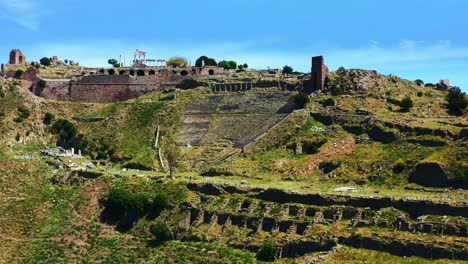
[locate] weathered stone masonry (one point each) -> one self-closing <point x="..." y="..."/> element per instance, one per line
<point x="319" y="73"/>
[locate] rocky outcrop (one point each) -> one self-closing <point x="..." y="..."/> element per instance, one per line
<point x="463" y="134"/>
<point x="322" y="118"/>
<point x="430" y="174"/>
<point x="379" y="134"/>
<point x="330" y="102"/>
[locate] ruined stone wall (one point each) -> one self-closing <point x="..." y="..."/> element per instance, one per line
<point x="105" y="93"/>
<point x="17" y="57"/>
<point x="319" y="73"/>
<point x="56" y="89"/>
<point x="106" y="88"/>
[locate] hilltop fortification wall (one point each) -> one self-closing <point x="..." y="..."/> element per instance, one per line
<point x="107" y="88"/>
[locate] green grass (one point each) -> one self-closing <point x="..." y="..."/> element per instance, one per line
<point x="355" y="256"/>
<point x="179" y="252"/>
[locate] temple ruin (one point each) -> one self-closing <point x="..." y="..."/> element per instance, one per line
<point x="17" y="57"/>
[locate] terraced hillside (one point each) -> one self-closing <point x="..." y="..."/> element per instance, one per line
<point x="351" y="177"/>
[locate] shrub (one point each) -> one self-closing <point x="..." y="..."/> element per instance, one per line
<point x="406" y="103"/>
<point x="160" y="231"/>
<point x="65" y="129"/>
<point x="399" y="166"/>
<point x="287" y="69"/>
<point x="456" y="101"/>
<point x="18" y="74"/>
<point x="41" y="83"/>
<point x="45" y="61"/>
<point x="419" y="82"/>
<point x="268" y="251"/>
<point x="161" y="200"/>
<point x="228" y="65"/>
<point x="17" y="137"/>
<point x="208" y="61"/>
<point x="301" y="99"/>
<point x="48" y="117"/>
<point x="177" y="62"/>
<point x="420" y="94"/>
<point x="121" y="201"/>
<point x="113" y="62"/>
<point x="23" y="112"/>
<point x="111" y="71"/>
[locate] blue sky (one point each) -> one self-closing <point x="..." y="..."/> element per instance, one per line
<point x="425" y="39"/>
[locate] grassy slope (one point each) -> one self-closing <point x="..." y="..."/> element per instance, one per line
<point x="41" y="222"/>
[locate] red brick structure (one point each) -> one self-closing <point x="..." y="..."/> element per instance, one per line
<point x="112" y="88"/>
<point x="319" y="73"/>
<point x="17" y="57"/>
<point x="443" y="85"/>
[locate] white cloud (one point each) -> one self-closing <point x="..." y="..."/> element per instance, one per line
<point x="23" y="12"/>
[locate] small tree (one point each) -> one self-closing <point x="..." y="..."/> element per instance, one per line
<point x="113" y="62"/>
<point x="173" y="156"/>
<point x="456" y="101"/>
<point x="419" y="82"/>
<point x="246" y="66"/>
<point x="208" y="61"/>
<point x="65" y="129"/>
<point x="228" y="65"/>
<point x="287" y="69"/>
<point x="301" y="99"/>
<point x="177" y="62"/>
<point x="45" y="62"/>
<point x="406" y="103"/>
<point x="48" y="117"/>
<point x="18" y="74"/>
<point x="268" y="251"/>
<point x="41" y="83"/>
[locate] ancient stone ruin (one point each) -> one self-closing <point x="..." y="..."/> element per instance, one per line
<point x="17" y="57"/>
<point x="319" y="73"/>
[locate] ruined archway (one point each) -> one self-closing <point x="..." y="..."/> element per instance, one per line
<point x="211" y="72"/>
<point x="132" y="72"/>
<point x="184" y="73"/>
<point x="141" y="73"/>
<point x="122" y="72"/>
<point x="151" y="72"/>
